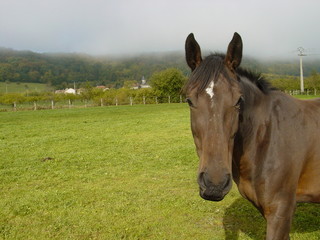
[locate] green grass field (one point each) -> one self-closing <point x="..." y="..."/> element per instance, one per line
<point x="14" y="87"/>
<point x="126" y="172"/>
<point x="307" y="96"/>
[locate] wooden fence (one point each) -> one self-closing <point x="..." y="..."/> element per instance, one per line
<point x="51" y="104"/>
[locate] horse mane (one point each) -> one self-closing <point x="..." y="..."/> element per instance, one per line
<point x="257" y="79"/>
<point x="213" y="65"/>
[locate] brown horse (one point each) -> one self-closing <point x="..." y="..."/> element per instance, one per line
<point x="266" y="141"/>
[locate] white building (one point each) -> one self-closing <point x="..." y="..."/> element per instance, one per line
<point x="70" y="91"/>
<point x="144" y="83"/>
<point x="67" y="90"/>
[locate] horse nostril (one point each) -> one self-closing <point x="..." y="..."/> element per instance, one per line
<point x="212" y="191"/>
<point x="200" y="179"/>
<point x="207" y="182"/>
<point x="227" y="183"/>
<point x="204" y="180"/>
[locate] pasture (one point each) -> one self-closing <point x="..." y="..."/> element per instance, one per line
<point x="14" y="87"/>
<point x="126" y="172"/>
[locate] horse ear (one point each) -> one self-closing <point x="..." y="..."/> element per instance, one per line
<point x="193" y="52"/>
<point x="234" y="52"/>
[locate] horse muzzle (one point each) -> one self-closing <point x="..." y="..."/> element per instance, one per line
<point x="213" y="192"/>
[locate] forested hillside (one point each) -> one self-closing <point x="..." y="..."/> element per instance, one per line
<point x="62" y="70"/>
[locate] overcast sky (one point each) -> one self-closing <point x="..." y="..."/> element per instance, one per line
<point x="268" y="28"/>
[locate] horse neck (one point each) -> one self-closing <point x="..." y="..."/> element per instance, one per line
<point x="251" y="94"/>
<point x="255" y="103"/>
<point x="253" y="112"/>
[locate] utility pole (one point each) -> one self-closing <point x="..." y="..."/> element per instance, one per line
<point x="301" y="54"/>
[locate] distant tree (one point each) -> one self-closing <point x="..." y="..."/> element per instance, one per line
<point x="313" y="82"/>
<point x="286" y="83"/>
<point x="48" y="77"/>
<point x="11" y="98"/>
<point x="123" y="95"/>
<point x="70" y="97"/>
<point x="6" y="73"/>
<point x="129" y="84"/>
<point x="87" y="92"/>
<point x="144" y="95"/>
<point x="35" y="97"/>
<point x="16" y="77"/>
<point x="168" y="83"/>
<point x="34" y="76"/>
<point x="109" y="97"/>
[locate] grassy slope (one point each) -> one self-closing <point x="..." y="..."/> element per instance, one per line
<point x="118" y="173"/>
<point x="23" y="87"/>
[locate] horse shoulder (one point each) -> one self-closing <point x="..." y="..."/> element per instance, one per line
<point x="298" y="125"/>
<point x="266" y="159"/>
<point x="308" y="189"/>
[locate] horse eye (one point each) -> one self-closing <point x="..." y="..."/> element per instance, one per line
<point x="238" y="104"/>
<point x="189" y="102"/>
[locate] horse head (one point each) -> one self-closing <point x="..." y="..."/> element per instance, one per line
<point x="215" y="98"/>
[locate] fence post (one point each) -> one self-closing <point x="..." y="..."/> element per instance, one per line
<point x="156" y="100"/>
<point x="69" y="103"/>
<point x="131" y="102"/>
<point x="14" y="106"/>
<point x="116" y="101"/>
<point x="144" y="100"/>
<point x="34" y="106"/>
<point x="52" y="104"/>
<point x="169" y="99"/>
<point x="101" y="102"/>
<point x="180" y="99"/>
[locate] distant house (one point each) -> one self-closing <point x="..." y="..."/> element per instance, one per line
<point x="67" y="90"/>
<point x="142" y="85"/>
<point x="104" y="88"/>
<point x="70" y="91"/>
<point x="77" y="91"/>
<point x="59" y="91"/>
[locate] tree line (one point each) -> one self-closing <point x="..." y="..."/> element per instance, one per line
<point x="166" y="87"/>
<point x="290" y="83"/>
<point x="62" y="70"/>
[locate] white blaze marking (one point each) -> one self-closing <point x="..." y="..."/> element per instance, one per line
<point x="209" y="89"/>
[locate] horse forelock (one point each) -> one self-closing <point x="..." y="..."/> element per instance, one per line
<point x="208" y="71"/>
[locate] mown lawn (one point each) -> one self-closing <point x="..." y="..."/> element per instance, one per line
<point x="307" y="96"/>
<point x="126" y="172"/>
